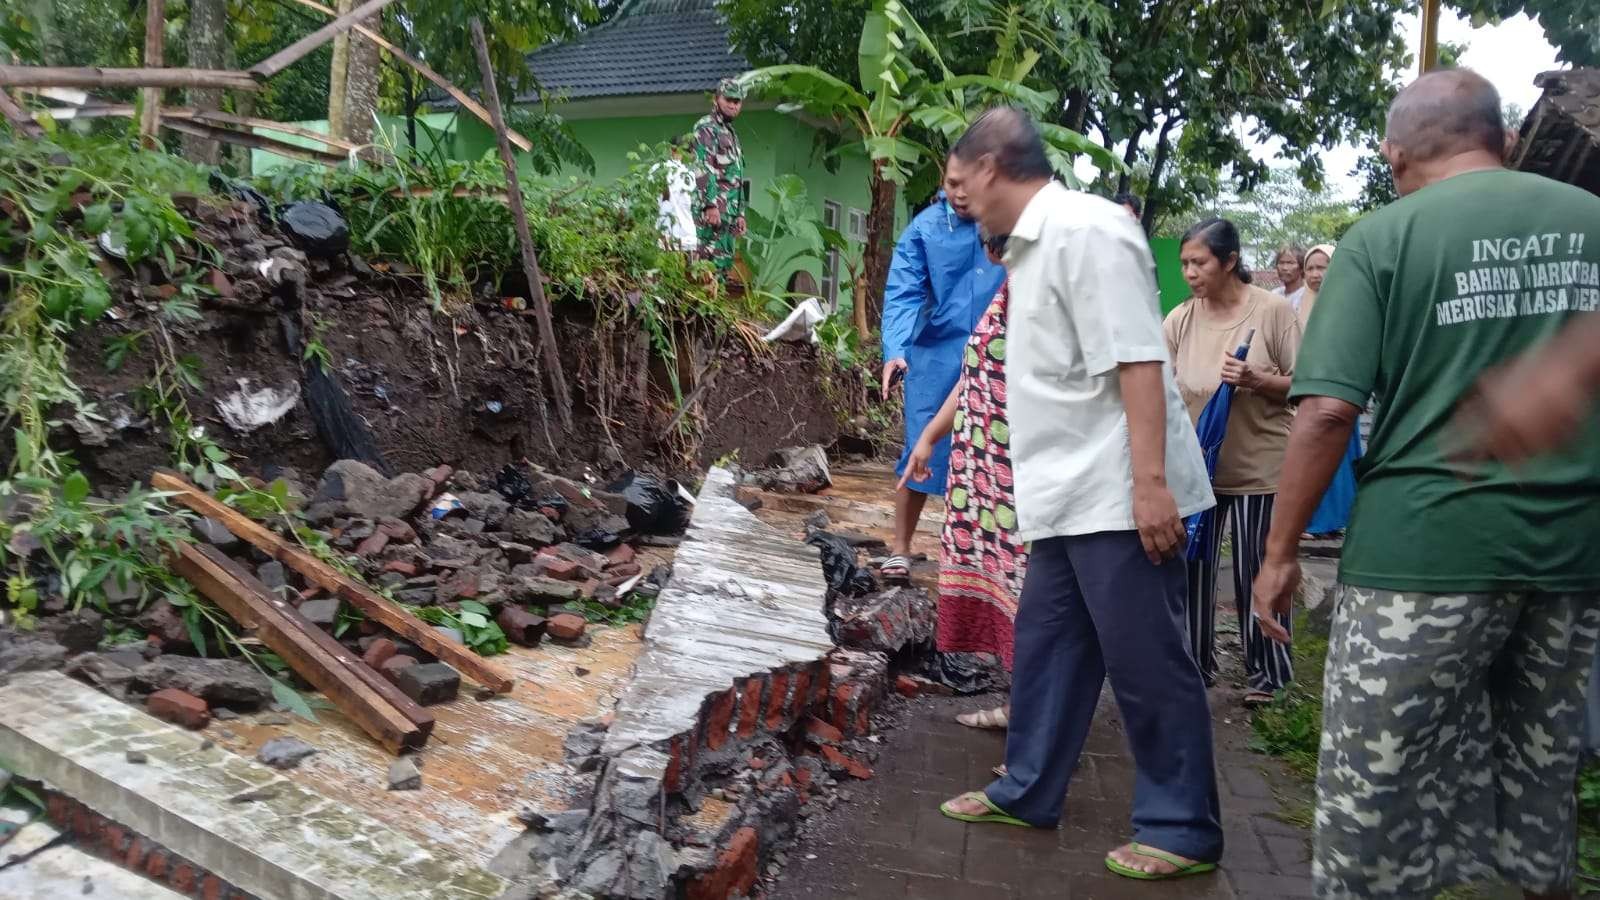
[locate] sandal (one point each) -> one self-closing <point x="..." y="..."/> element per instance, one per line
<point x="995" y="814"/>
<point x="997" y="719"/>
<point x="999" y="771"/>
<point x="896" y="568"/>
<point x="1257" y="699"/>
<point x="1181" y="869"/>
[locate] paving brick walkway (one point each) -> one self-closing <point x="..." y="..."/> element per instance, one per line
<point x="889" y="840"/>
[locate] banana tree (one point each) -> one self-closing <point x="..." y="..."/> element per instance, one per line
<point x="904" y="82"/>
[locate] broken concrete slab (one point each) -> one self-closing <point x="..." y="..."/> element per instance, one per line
<point x="405" y="774"/>
<point x="225" y="682"/>
<point x="293" y="843"/>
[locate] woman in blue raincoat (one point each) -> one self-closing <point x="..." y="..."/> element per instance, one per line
<point x="939" y="286"/>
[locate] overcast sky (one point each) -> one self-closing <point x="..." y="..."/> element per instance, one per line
<point x="1509" y="55"/>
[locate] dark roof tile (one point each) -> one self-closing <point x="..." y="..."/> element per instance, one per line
<point x="656" y="48"/>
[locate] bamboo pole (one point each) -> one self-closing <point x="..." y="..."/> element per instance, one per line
<point x="90" y="77"/>
<point x="155" y="22"/>
<point x="519" y="217"/>
<point x="338" y="75"/>
<point x="252" y="140"/>
<point x="19" y="117"/>
<point x="421" y="68"/>
<point x="293" y="53"/>
<point x="207" y="117"/>
<point x="1430" y="37"/>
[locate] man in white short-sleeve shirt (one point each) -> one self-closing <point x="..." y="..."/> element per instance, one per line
<point x="1106" y="465"/>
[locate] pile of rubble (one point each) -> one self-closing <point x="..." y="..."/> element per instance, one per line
<point x="524" y="556"/>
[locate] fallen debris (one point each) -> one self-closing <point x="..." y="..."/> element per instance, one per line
<point x="282" y="753"/>
<point x="794" y="470"/>
<point x="179" y="708"/>
<point x="405" y="775"/>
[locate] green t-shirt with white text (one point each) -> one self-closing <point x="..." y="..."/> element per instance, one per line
<point x="1421" y="298"/>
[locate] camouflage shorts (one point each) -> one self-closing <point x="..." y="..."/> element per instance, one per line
<point x="1451" y="732"/>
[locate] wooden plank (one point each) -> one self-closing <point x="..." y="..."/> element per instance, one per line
<point x="293" y="53"/>
<point x="89" y="77"/>
<point x="354" y="698"/>
<point x="519" y="218"/>
<point x="423" y="69"/>
<point x="358" y="668"/>
<point x="155" y="25"/>
<point x="208" y="117"/>
<point x="333" y="581"/>
<point x="252" y="140"/>
<point x="19" y="117"/>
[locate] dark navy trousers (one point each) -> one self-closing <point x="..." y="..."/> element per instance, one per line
<point x="1093" y="606"/>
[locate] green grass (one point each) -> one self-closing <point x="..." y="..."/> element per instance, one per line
<point x="1291" y="728"/>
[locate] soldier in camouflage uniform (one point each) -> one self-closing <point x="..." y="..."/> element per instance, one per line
<point x="1468" y="609"/>
<point x="720" y="204"/>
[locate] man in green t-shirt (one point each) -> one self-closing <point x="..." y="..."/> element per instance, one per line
<point x="1468" y="605"/>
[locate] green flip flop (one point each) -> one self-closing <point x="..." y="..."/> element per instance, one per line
<point x="1183" y="870"/>
<point x="995" y="813"/>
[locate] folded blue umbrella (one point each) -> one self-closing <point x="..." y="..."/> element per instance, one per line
<point x="1212" y="429"/>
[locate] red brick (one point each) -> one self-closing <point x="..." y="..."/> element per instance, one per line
<point x="624" y="571"/>
<point x="823" y="732"/>
<point x="620" y="555"/>
<point x="221" y="284"/>
<point x="463" y="585"/>
<point x="718" y="719"/>
<point x="676" y="763"/>
<point x="185" y="878"/>
<point x="394" y="665"/>
<point x="115" y="839"/>
<point x="839" y="711"/>
<point x="398" y="531"/>
<point x="802" y="694"/>
<point x="373" y="545"/>
<point x="212" y="888"/>
<point x="907" y="686"/>
<point x="559" y="569"/>
<point x="778" y="701"/>
<point x="522" y="627"/>
<point x="758" y="764"/>
<point x="566" y="627"/>
<point x="379" y="652"/>
<point x="750" y="707"/>
<point x="179" y="707"/>
<point x="863" y="719"/>
<point x="839" y="760"/>
<point x="404" y="567"/>
<point x="735" y="872"/>
<point x="821" y="684"/>
<point x="137" y="848"/>
<point x="551" y="513"/>
<point x="155" y="863"/>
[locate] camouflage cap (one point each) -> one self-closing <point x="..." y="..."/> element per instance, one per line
<point x="731" y="88"/>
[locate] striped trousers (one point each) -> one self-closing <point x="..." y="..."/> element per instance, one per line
<point x="1266" y="662"/>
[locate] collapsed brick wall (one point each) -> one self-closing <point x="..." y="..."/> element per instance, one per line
<point x="109" y="840"/>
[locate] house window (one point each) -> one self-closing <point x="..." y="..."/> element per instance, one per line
<point x="858" y="226"/>
<point x="830" y="266"/>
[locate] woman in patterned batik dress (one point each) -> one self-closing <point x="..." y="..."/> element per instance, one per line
<point x="981" y="562"/>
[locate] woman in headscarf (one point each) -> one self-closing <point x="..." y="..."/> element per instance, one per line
<point x="1333" y="513"/>
<point x="981" y="562"/>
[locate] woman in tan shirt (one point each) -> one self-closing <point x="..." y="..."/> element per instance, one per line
<point x="1202" y="335"/>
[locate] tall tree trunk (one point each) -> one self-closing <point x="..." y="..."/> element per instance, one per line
<point x="207" y="36"/>
<point x="1128" y="156"/>
<point x="879" y="252"/>
<point x="412" y="102"/>
<point x="1158" y="167"/>
<point x="1077" y="109"/>
<point x="361" y="90"/>
<point x="337" y="72"/>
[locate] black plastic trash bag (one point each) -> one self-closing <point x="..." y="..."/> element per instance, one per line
<point x="222" y="184"/>
<point x="654" y="506"/>
<point x="513" y="485"/>
<point x="965" y="673"/>
<point x="597" y="539"/>
<point x="316" y="228"/>
<point x="845" y="577"/>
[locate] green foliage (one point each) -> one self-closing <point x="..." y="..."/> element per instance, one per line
<point x="1280" y="210"/>
<point x="773" y="245"/>
<point x="1291" y="727"/>
<point x="634" y="608"/>
<point x="474" y="621"/>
